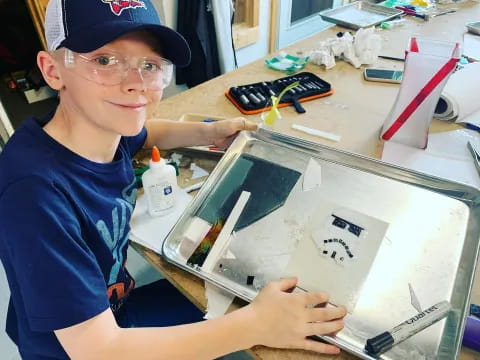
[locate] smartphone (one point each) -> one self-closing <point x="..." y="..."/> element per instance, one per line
<point x="383" y="75"/>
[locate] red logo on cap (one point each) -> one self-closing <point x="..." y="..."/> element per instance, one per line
<point x="117" y="6"/>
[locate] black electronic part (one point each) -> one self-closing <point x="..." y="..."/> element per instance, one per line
<point x="383" y="75"/>
<point x="339" y="222"/>
<point x="235" y="92"/>
<point x="355" y="229"/>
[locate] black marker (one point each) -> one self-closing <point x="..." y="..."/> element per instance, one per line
<point x="427" y="317"/>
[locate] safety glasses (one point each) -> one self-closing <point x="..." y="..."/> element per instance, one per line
<point x="112" y="68"/>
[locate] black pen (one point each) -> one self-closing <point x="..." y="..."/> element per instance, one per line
<point x="391" y="58"/>
<point x="408" y="328"/>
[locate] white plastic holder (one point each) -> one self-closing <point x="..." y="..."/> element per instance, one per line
<point x="428" y="64"/>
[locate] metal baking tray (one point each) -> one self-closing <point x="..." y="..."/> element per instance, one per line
<point x="432" y="242"/>
<point x="359" y="14"/>
<point x="473" y="27"/>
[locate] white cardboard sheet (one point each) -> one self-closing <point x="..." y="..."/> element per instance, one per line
<point x="336" y="252"/>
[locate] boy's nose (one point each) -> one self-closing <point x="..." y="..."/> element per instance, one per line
<point x="134" y="80"/>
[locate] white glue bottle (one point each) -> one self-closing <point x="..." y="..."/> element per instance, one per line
<point x="160" y="185"/>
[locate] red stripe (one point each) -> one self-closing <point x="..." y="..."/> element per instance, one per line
<point x="421" y="96"/>
<point x="413" y="44"/>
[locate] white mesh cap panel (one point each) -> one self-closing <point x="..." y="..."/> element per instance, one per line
<point x="54" y="29"/>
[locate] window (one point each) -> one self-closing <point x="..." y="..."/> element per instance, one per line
<point x="293" y="20"/>
<point x="246" y="28"/>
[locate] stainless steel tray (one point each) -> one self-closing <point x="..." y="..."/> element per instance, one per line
<point x="359" y="15"/>
<point x="432" y="241"/>
<point x="473" y="27"/>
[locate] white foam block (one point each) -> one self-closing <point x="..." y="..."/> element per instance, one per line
<point x="223" y="239"/>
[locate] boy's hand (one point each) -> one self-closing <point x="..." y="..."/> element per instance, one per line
<point x="284" y="320"/>
<point x="225" y="131"/>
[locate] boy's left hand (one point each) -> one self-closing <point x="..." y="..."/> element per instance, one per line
<point x="225" y="131"/>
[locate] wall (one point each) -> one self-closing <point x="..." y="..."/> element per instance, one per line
<point x="167" y="10"/>
<point x="260" y="48"/>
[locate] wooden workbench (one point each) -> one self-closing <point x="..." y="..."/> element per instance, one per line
<point x="355" y="111"/>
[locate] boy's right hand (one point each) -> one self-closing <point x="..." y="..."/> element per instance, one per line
<point x="284" y="320"/>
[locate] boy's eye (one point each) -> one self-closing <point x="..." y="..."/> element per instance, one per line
<point x="151" y="66"/>
<point x="105" y="60"/>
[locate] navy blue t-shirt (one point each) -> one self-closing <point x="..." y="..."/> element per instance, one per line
<point x="64" y="225"/>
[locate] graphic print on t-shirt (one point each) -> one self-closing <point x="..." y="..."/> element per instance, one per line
<point x="119" y="282"/>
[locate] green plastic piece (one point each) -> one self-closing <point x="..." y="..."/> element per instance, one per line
<point x="287" y="63"/>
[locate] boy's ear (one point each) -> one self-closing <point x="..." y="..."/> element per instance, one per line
<point x="49" y="67"/>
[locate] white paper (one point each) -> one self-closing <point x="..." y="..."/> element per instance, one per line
<point x="198" y="172"/>
<point x="471" y="46"/>
<point x="312" y="177"/>
<point x="461" y="94"/>
<point x="218" y="301"/>
<point x="446" y="156"/>
<point x="151" y="231"/>
<point x="336" y="256"/>
<point x="473" y="118"/>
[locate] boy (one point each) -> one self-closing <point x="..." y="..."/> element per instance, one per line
<point x="67" y="193"/>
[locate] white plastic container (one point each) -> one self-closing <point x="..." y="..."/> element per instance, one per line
<point x="160" y="185"/>
<point x="428" y="64"/>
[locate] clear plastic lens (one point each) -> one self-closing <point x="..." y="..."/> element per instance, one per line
<point x="112" y="68"/>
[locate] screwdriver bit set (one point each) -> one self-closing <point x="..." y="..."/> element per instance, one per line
<point x="256" y="98"/>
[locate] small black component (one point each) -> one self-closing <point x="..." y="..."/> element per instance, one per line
<point x="339" y="222"/>
<point x="250" y="279"/>
<point x="355" y="229"/>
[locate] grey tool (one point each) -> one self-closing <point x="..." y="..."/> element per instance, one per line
<point x="255" y="99"/>
<point x="444" y="12"/>
<point x="244" y="99"/>
<point x="261" y="97"/>
<point x="270" y="91"/>
<point x="475" y="155"/>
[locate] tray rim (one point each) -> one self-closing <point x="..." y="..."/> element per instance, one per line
<point x="329" y="15"/>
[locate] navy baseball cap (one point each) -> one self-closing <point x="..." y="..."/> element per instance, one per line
<point x="86" y="25"/>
